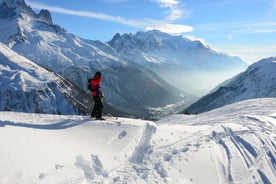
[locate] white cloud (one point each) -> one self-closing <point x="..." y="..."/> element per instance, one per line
<point x="264" y="31"/>
<point x="175" y="14"/>
<point x="168" y="28"/>
<point x="176" y="10"/>
<point x="168" y="3"/>
<point x="171" y="28"/>
<point x="101" y="16"/>
<point x="241" y="27"/>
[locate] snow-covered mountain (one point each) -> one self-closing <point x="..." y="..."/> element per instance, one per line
<point x="188" y="65"/>
<point x="258" y="81"/>
<point x="233" y="144"/>
<point x="128" y="87"/>
<point x="27" y="87"/>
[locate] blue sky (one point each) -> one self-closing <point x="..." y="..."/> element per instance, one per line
<point x="246" y="28"/>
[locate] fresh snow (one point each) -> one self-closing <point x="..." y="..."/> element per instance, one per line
<point x="232" y="144"/>
<point x="39" y="148"/>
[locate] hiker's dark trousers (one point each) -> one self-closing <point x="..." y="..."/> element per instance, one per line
<point x="98" y="106"/>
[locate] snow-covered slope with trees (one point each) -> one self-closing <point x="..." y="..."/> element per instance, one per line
<point x="258" y="81"/>
<point x="188" y="65"/>
<point x="27" y="87"/>
<point x="233" y="144"/>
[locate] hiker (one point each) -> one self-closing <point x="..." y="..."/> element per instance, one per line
<point x="97" y="94"/>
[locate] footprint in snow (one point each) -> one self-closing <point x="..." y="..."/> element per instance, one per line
<point x="122" y="134"/>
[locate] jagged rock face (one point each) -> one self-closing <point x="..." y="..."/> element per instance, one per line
<point x="258" y="81"/>
<point x="44" y="15"/>
<point x="14" y="8"/>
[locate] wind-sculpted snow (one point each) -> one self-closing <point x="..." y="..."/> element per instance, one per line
<point x="51" y="148"/>
<point x="233" y="144"/>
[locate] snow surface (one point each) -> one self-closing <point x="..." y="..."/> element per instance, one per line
<point x="27" y="87"/>
<point x="19" y="73"/>
<point x="233" y="144"/>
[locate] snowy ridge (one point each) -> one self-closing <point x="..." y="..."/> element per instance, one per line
<point x="233" y="144"/>
<point x="27" y="87"/>
<point x="179" y="61"/>
<point x="258" y="81"/>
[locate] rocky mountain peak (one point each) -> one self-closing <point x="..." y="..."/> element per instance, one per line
<point x="45" y="16"/>
<point x="15" y="8"/>
<point x="145" y="41"/>
<point x="155" y="40"/>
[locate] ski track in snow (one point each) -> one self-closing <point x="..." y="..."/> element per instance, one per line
<point x="243" y="143"/>
<point x="221" y="146"/>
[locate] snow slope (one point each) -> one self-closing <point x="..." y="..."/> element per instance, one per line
<point x="258" y="81"/>
<point x="27" y="87"/>
<point x="233" y="144"/>
<point x="51" y="148"/>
